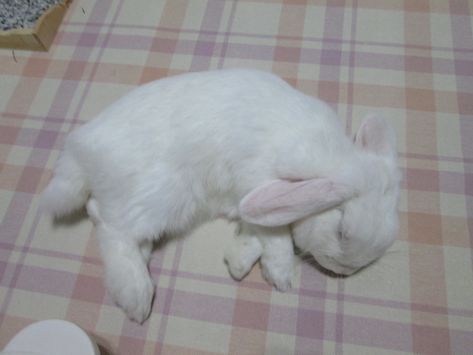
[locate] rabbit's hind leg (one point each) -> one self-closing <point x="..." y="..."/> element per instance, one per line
<point x="126" y="273"/>
<point x="125" y="261"/>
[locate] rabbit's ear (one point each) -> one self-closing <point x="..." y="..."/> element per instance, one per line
<point x="376" y="135"/>
<point x="281" y="202"/>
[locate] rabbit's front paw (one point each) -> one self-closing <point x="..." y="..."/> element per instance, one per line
<point x="238" y="265"/>
<point x="134" y="296"/>
<point x="241" y="256"/>
<point x="280" y="276"/>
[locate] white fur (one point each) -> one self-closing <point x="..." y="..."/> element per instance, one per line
<point x="182" y="150"/>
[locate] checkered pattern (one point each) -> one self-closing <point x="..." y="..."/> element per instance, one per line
<point x="410" y="60"/>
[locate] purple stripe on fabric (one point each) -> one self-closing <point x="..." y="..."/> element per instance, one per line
<point x="390" y="303"/>
<point x="7" y="272"/>
<point x="291" y="55"/>
<point x="88" y="39"/>
<point x="436" y="157"/>
<point x="351" y="70"/>
<point x="15" y="216"/>
<point x="29" y="179"/>
<point x="248" y="51"/>
<point x="49" y="253"/>
<point x="225" y="42"/>
<point x="135" y="42"/>
<point x="69" y="38"/>
<point x="463" y="67"/>
<point x="46" y="119"/>
<point x="166" y="45"/>
<point x="310" y="324"/>
<point x="46" y="139"/>
<point x="307" y="55"/>
<point x="135" y="331"/>
<point x="307" y="346"/>
<point x="250" y="314"/>
<point x="213" y="16"/>
<point x="462" y="35"/>
<point x="205" y="45"/>
<point x="312" y="329"/>
<point x="465" y="86"/>
<point x="460" y="340"/>
<point x="5" y="252"/>
<point x="459" y="8"/>
<point x="339" y="318"/>
<point x="317" y="283"/>
<point x="379" y="60"/>
<point x="461" y="29"/>
<point x="414" y="63"/>
<point x="202" y="307"/>
<point x="333" y="28"/>
<point x="39" y="157"/>
<point x="333" y="40"/>
<point x="465" y="104"/>
<point x="130" y="345"/>
<point x="421" y="179"/>
<point x="8" y="135"/>
<point x="430" y="340"/>
<point x="46" y="281"/>
<point x="166" y="299"/>
<point x="466" y="124"/>
<point x="37" y="138"/>
<point x="155" y="270"/>
<point x="16" y="272"/>
<point x="283" y="319"/>
<point x="331" y="57"/>
<point x="377" y="333"/>
<point x="311" y="280"/>
<point x="3" y="268"/>
<point x="457" y="183"/>
<point x="27" y="136"/>
<point x="203" y="49"/>
<point x="89" y="289"/>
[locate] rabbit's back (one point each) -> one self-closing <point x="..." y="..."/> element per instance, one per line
<point x="192" y="136"/>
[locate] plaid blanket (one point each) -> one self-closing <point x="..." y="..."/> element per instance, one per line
<point x="412" y="61"/>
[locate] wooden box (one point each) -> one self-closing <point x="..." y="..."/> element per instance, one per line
<point x="40" y="37"/>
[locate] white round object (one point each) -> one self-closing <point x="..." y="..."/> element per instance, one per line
<point x="51" y="337"/>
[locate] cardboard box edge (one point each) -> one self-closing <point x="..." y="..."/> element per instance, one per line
<point x="41" y="36"/>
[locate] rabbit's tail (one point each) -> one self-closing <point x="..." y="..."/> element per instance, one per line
<point x="68" y="190"/>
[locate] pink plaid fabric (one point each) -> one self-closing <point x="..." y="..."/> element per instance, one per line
<point x="412" y="61"/>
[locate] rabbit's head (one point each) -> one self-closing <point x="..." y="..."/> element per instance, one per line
<point x="345" y="221"/>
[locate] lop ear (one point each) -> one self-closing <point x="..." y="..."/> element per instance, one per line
<point x="376" y="135"/>
<point x="281" y="202"/>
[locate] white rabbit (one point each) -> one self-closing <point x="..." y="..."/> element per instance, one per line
<point x="182" y="150"/>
